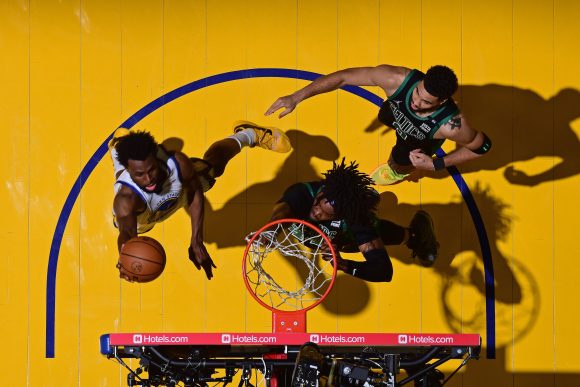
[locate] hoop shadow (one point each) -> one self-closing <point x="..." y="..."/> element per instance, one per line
<point x="514" y="284"/>
<point x="522" y="126"/>
<point x="297" y="167"/>
<point x="480" y="373"/>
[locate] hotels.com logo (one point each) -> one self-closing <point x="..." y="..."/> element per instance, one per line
<point x="138" y="339"/>
<point x="314" y="339"/>
<point x="402" y="339"/>
<point x="226" y="339"/>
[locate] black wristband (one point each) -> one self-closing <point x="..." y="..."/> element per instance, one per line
<point x="438" y="164"/>
<point x="485" y="145"/>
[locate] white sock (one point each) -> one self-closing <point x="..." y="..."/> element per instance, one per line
<point x="236" y="140"/>
<point x="245" y="137"/>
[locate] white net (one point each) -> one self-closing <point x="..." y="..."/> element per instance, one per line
<point x="289" y="266"/>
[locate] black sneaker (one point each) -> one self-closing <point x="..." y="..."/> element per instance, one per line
<point x="422" y="238"/>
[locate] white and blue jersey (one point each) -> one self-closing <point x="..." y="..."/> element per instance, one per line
<point x="159" y="205"/>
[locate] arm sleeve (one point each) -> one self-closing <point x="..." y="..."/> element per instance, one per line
<point x="376" y="268"/>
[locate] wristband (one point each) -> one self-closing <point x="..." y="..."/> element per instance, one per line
<point x="438" y="164"/>
<point x="485" y="146"/>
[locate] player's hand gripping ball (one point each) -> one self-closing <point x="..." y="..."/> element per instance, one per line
<point x="142" y="259"/>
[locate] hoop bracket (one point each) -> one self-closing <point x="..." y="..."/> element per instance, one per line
<point x="288" y="321"/>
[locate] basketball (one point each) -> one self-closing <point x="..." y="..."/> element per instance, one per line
<point x="142" y="259"/>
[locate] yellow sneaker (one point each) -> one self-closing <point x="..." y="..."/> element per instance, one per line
<point x="384" y="175"/>
<point x="266" y="137"/>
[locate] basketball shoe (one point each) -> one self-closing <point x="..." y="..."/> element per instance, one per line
<point x="422" y="240"/>
<point x="385" y="175"/>
<point x="266" y="137"/>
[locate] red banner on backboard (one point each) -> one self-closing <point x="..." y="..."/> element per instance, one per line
<point x="341" y="339"/>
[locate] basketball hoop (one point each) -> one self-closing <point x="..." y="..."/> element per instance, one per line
<point x="289" y="267"/>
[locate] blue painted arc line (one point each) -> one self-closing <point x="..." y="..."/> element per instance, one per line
<point x="214" y="80"/>
<point x="485" y="253"/>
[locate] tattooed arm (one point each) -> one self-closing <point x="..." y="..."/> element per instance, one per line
<point x="472" y="144"/>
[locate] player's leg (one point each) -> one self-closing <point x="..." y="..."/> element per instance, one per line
<point x="397" y="168"/>
<point x="422" y="239"/>
<point x="387" y="174"/>
<point x="269" y="138"/>
<point x="245" y="134"/>
<point x="391" y="233"/>
<point x="219" y="154"/>
<point x="419" y="236"/>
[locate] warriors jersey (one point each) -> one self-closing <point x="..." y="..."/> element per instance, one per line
<point x="413" y="131"/>
<point x="159" y="205"/>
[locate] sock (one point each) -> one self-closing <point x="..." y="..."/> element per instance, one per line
<point x="245" y="137"/>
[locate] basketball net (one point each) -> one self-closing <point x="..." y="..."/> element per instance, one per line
<point x="289" y="268"/>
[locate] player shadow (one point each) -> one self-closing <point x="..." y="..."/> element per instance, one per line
<point x="351" y="295"/>
<point x="297" y="167"/>
<point x="479" y="373"/>
<point x="261" y="197"/>
<point x="460" y="264"/>
<point x="522" y="126"/>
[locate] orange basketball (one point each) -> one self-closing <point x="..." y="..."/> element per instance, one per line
<point x="142" y="259"/>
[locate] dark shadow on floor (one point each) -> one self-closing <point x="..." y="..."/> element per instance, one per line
<point x="252" y="207"/>
<point x="460" y="264"/>
<point x="522" y="126"/>
<point x="485" y="372"/>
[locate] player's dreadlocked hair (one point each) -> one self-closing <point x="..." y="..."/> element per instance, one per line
<point x="440" y="81"/>
<point x="135" y="146"/>
<point x="349" y="191"/>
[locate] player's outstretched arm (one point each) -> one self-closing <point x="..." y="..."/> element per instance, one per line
<point x="126" y="206"/>
<point x="195" y="206"/>
<point x="385" y="76"/>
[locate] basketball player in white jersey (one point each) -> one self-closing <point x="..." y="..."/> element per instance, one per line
<point x="153" y="183"/>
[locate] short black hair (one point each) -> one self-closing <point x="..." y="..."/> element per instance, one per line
<point x="349" y="191"/>
<point x="440" y="81"/>
<point x="137" y="145"/>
